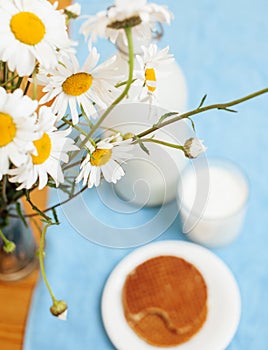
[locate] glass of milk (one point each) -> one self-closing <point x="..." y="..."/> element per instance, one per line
<point x="212" y="198"/>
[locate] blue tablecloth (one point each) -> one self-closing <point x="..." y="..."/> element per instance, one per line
<point x="222" y="48"/>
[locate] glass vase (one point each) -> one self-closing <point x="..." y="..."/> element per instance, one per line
<point x="21" y="262"/>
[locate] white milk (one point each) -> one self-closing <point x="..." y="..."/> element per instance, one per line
<point x="212" y="202"/>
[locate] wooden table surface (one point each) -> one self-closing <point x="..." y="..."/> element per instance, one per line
<point x="15" y="297"/>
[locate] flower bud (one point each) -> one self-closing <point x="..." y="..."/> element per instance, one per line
<point x="193" y="147"/>
<point x="73" y="11"/>
<point x="9" y="247"/>
<point x="128" y="135"/>
<point x="59" y="309"/>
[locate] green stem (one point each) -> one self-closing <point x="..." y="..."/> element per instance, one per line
<point x="41" y="254"/>
<point x="34" y="85"/>
<point x="66" y="121"/>
<point x="71" y="165"/>
<point x="4" y="186"/>
<point x="35" y="208"/>
<point x="220" y="106"/>
<point x="26" y="88"/>
<point x="160" y="142"/>
<point x="55" y="205"/>
<point x="5" y="72"/>
<point x="20" y="79"/>
<point x="5" y="240"/>
<point x="128" y="32"/>
<point x="9" y="246"/>
<point x="5" y="83"/>
<point x="123" y="83"/>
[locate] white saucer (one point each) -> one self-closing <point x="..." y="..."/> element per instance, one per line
<point x="224" y="303"/>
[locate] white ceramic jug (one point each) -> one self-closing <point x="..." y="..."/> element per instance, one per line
<point x="151" y="180"/>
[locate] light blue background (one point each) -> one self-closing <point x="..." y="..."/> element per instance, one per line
<point x="222" y="48"/>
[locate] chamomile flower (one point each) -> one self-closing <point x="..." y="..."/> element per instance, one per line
<point x="153" y="63"/>
<point x="51" y="148"/>
<point x="17" y="129"/>
<point x="88" y="87"/>
<point x="96" y="26"/>
<point x="31" y="31"/>
<point x="135" y="13"/>
<point x="105" y="159"/>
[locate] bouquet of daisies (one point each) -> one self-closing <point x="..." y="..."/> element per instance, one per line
<point x="52" y="109"/>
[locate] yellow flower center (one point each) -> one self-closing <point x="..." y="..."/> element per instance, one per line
<point x="100" y="157"/>
<point x="43" y="147"/>
<point x="7" y="129"/>
<point x="27" y="28"/>
<point x="77" y="84"/>
<point x="150" y="79"/>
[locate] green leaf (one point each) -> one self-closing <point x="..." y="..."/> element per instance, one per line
<point x="90" y="124"/>
<point x="51" y="184"/>
<point x="202" y="101"/>
<point x="142" y="146"/>
<point x="228" y="109"/>
<point x="192" y="122"/>
<point x="55" y="216"/>
<point x="163" y="117"/>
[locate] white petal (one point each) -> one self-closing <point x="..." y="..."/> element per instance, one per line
<point x="74" y="112"/>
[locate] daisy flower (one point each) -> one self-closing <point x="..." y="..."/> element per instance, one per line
<point x="135" y="13"/>
<point x="151" y="64"/>
<point x="51" y="149"/>
<point x="30" y="31"/>
<point x="70" y="85"/>
<point x="17" y="129"/>
<point x="104" y="158"/>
